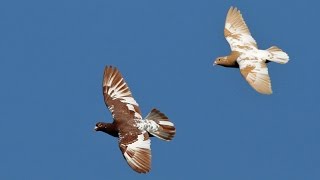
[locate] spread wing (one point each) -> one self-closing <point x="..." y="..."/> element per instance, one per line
<point x="237" y="32"/>
<point x="256" y="73"/>
<point x="118" y="97"/>
<point x="135" y="147"/>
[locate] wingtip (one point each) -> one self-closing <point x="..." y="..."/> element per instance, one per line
<point x="109" y="67"/>
<point x="264" y="91"/>
<point x="234" y="10"/>
<point x="111" y="70"/>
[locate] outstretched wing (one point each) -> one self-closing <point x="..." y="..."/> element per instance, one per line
<point x="135" y="146"/>
<point x="118" y="97"/>
<point x="256" y="73"/>
<point x="237" y="32"/>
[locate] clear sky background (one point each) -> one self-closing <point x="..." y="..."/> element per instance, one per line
<point x="52" y="57"/>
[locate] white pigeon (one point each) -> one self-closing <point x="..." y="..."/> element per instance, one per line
<point x="246" y="55"/>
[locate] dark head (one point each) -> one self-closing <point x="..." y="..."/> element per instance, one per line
<point x="100" y="126"/>
<point x="108" y="128"/>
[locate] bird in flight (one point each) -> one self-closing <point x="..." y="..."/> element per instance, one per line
<point x="246" y="55"/>
<point x="132" y="130"/>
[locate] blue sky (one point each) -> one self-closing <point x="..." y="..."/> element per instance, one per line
<point x="52" y="56"/>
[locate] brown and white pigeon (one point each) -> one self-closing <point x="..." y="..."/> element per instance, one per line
<point x="133" y="132"/>
<point x="246" y="55"/>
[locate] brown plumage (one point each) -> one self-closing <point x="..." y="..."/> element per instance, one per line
<point x="128" y="125"/>
<point x="246" y="55"/>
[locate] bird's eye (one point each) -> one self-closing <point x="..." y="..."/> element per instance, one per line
<point x="100" y="125"/>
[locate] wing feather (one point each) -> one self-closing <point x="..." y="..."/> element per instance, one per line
<point x="256" y="74"/>
<point x="237" y="32"/>
<point x="118" y="97"/>
<point x="136" y="150"/>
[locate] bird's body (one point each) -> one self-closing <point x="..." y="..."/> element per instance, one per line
<point x="246" y="55"/>
<point x="132" y="130"/>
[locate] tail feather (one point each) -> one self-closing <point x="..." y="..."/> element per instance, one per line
<point x="277" y="55"/>
<point x="162" y="127"/>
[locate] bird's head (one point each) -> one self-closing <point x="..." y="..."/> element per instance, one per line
<point x="100" y="126"/>
<point x="220" y="61"/>
<point x="108" y="128"/>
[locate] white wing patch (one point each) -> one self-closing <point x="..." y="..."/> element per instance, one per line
<point x="111" y="108"/>
<point x="123" y="94"/>
<point x="256" y="74"/>
<point x="138" y="154"/>
<point x="131" y="108"/>
<point x="237" y="32"/>
<point x="117" y="89"/>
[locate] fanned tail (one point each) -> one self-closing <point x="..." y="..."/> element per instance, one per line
<point x="277" y="55"/>
<point x="160" y="126"/>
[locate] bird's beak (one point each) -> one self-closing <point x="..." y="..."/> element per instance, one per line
<point x="95" y="128"/>
<point x="214" y="63"/>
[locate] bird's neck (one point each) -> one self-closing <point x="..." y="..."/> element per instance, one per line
<point x="111" y="129"/>
<point x="232" y="59"/>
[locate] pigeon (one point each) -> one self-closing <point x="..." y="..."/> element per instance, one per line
<point x="132" y="130"/>
<point x="246" y="55"/>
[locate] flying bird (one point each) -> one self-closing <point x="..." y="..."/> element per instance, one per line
<point x="132" y="130"/>
<point x="246" y="55"/>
